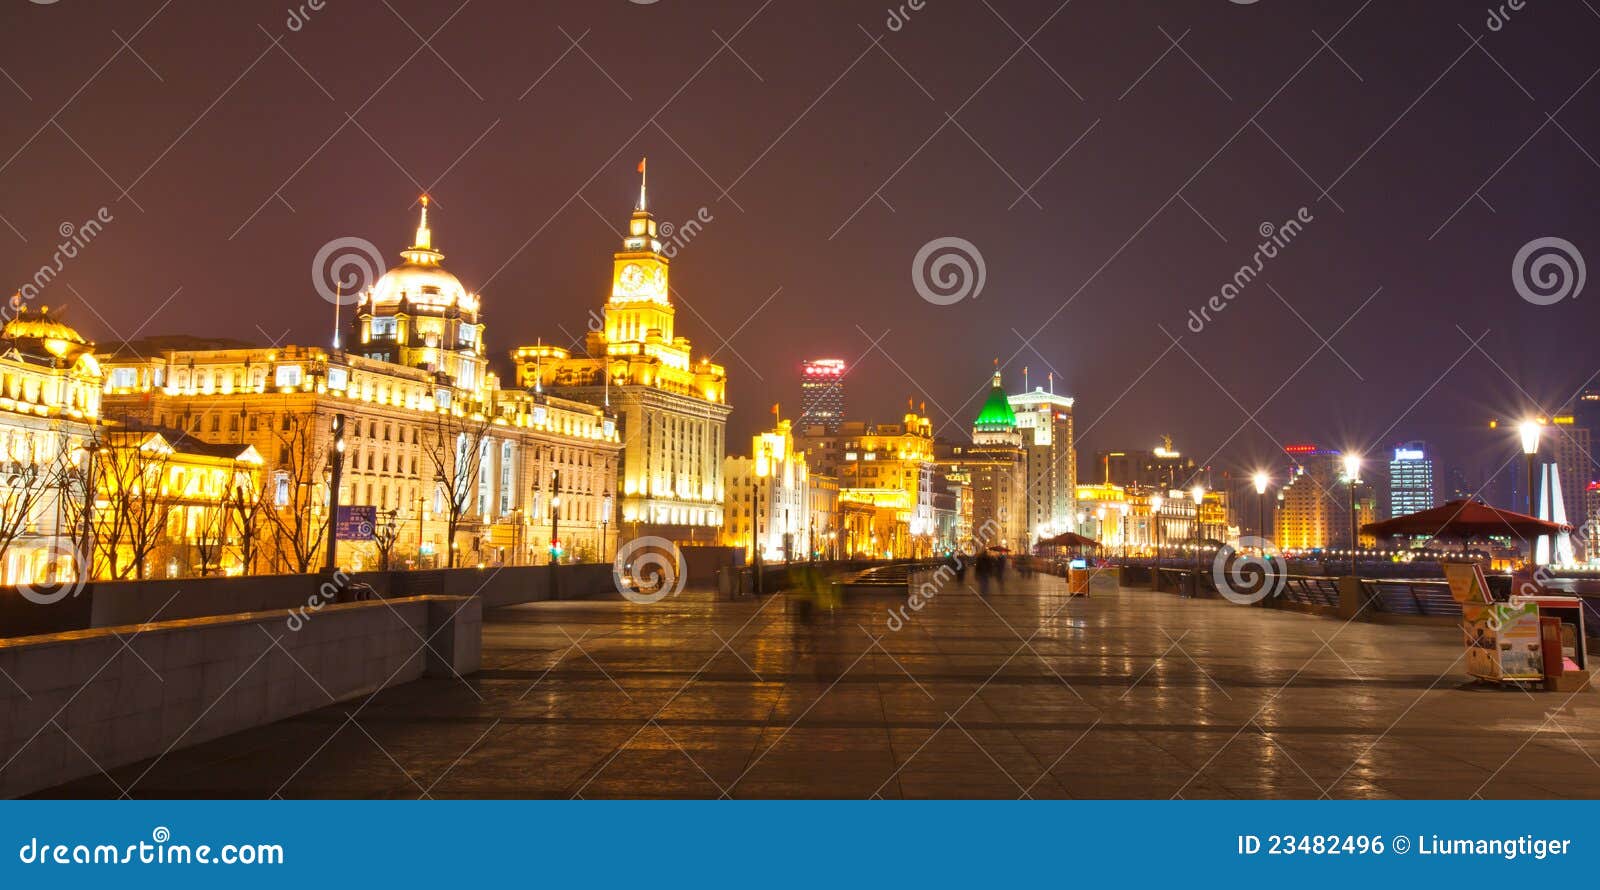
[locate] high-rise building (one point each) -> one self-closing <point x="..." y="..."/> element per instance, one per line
<point x="1411" y="483"/>
<point x="1314" y="507"/>
<point x="822" y="393"/>
<point x="674" y="408"/>
<point x="1458" y="487"/>
<point x="1045" y="421"/>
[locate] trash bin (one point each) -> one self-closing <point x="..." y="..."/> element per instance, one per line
<point x="1078" y="582"/>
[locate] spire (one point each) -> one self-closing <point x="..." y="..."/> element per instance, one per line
<point x="424" y="234"/>
<point x="421" y="251"/>
<point x="643" y="205"/>
<point x="996" y="373"/>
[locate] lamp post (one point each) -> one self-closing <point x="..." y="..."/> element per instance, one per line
<point x="1197" y="494"/>
<point x="1155" y="518"/>
<point x="1352" y="473"/>
<point x="333" y="493"/>
<point x="1262" y="480"/>
<point x="1122" y="522"/>
<point x="555" y="516"/>
<point x="1530" y="430"/>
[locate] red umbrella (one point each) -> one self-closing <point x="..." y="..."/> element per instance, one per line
<point x="1068" y="539"/>
<point x="1465" y="519"/>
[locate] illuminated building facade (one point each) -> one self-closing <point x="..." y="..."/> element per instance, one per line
<point x="886" y="476"/>
<point x="822" y="495"/>
<point x="822" y="393"/>
<point x="49" y="408"/>
<point x="164" y="504"/>
<point x="995" y="465"/>
<point x="768" y="501"/>
<point x="1314" y="507"/>
<point x="1044" y="420"/>
<point x="464" y="472"/>
<point x="673" y="408"/>
<point x="1411" y="484"/>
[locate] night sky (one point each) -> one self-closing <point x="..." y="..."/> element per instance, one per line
<point x="825" y="162"/>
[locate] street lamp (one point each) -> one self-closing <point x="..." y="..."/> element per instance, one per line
<point x="1197" y="494"/>
<point x="1529" y="431"/>
<point x="334" y="478"/>
<point x="1352" y="472"/>
<point x="1155" y="517"/>
<point x="1262" y="481"/>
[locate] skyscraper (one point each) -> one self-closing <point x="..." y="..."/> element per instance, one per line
<point x="1045" y="421"/>
<point x="1410" y="479"/>
<point x="822" y="393"/>
<point x="1314" y="512"/>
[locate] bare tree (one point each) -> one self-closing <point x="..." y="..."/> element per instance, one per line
<point x="128" y="469"/>
<point x="384" y="533"/>
<point x="210" y="535"/>
<point x="31" y="483"/>
<point x="455" y="450"/>
<point x="298" y="510"/>
<point x="247" y="513"/>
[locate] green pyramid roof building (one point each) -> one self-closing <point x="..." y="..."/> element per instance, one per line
<point x="996" y="414"/>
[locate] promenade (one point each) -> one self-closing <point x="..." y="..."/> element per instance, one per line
<point x="1025" y="693"/>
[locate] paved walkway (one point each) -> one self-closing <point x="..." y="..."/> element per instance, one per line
<point x="1136" y="694"/>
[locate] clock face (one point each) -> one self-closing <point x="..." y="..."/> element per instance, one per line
<point x="658" y="280"/>
<point x="632" y="278"/>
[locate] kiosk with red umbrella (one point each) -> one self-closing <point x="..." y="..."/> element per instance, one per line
<point x="1533" y="635"/>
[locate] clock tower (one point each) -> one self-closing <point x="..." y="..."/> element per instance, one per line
<point x="640" y="300"/>
<point x="673" y="407"/>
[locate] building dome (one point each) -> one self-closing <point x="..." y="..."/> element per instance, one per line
<point x="57" y="337"/>
<point x="996" y="413"/>
<point x="419" y="283"/>
<point x="421" y="279"/>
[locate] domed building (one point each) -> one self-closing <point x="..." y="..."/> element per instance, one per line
<point x="421" y="316"/>
<point x="452" y="469"/>
<point x="49" y="404"/>
<point x="997" y="466"/>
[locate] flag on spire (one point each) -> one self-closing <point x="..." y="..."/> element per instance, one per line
<point x="642" y="177"/>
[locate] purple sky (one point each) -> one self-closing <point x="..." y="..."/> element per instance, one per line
<point x="840" y="160"/>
